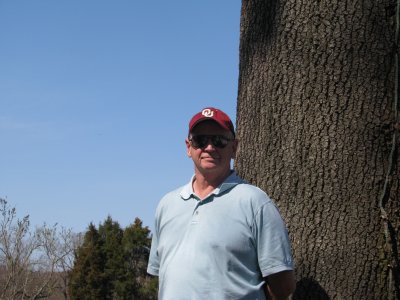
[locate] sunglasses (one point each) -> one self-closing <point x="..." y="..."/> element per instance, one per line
<point x="201" y="141"/>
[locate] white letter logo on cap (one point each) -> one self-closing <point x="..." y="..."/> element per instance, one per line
<point x="207" y="113"/>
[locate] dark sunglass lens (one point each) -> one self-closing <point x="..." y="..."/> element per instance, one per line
<point x="199" y="141"/>
<point x="219" y="141"/>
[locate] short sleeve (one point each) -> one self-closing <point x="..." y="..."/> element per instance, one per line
<point x="273" y="244"/>
<point x="154" y="259"/>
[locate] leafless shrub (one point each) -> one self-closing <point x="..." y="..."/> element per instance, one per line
<point x="33" y="265"/>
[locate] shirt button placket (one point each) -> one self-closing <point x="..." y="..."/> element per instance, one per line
<point x="196" y="213"/>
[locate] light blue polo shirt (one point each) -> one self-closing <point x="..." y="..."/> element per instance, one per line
<point x="220" y="247"/>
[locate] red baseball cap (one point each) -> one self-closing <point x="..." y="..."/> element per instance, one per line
<point x="214" y="114"/>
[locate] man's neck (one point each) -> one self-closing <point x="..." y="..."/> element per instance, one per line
<point x="204" y="184"/>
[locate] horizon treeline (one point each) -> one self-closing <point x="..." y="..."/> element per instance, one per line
<point x="52" y="262"/>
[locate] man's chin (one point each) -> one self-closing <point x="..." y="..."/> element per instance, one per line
<point x="209" y="166"/>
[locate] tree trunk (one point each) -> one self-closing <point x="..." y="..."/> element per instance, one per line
<point x="318" y="127"/>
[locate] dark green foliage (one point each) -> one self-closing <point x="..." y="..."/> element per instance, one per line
<point x="112" y="262"/>
<point x="87" y="280"/>
<point x="136" y="244"/>
<point x="112" y="249"/>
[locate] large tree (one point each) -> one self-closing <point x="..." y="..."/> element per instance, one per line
<point x="318" y="124"/>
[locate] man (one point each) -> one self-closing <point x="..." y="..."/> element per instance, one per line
<point x="219" y="237"/>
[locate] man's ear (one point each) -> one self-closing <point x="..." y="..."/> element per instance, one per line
<point x="187" y="142"/>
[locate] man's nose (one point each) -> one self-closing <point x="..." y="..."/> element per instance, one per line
<point x="209" y="146"/>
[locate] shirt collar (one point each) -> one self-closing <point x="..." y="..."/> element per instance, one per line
<point x="232" y="180"/>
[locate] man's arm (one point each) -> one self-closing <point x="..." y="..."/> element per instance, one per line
<point x="280" y="286"/>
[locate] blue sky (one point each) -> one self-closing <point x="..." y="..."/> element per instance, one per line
<point x="95" y="99"/>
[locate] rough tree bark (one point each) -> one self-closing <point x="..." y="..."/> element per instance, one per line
<point x="318" y="127"/>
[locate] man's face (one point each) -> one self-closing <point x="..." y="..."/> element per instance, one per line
<point x="211" y="158"/>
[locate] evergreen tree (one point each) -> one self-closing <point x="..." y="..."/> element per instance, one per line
<point x="87" y="280"/>
<point x="111" y="235"/>
<point x="112" y="262"/>
<point x="136" y="245"/>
